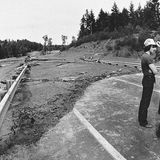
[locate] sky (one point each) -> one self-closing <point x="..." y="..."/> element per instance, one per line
<point x="32" y="19"/>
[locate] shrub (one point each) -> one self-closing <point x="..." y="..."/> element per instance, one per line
<point x="130" y="41"/>
<point x="109" y="48"/>
<point x="134" y="42"/>
<point x="117" y="47"/>
<point x="143" y="35"/>
<point x="97" y="37"/>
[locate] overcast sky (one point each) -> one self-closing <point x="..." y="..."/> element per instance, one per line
<point x="32" y="19"/>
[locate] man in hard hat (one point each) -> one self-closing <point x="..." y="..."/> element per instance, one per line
<point x="149" y="71"/>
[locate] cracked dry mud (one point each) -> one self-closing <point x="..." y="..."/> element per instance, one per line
<point x="47" y="94"/>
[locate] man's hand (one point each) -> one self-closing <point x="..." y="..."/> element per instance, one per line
<point x="158" y="43"/>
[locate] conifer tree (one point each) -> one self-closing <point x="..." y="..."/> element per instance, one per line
<point x="82" y="28"/>
<point x="139" y="16"/>
<point x="91" y="22"/>
<point x="102" y="22"/>
<point x="114" y="18"/>
<point x="151" y="14"/>
<point x="124" y="17"/>
<point x="155" y="8"/>
<point x="132" y="16"/>
<point x="87" y="25"/>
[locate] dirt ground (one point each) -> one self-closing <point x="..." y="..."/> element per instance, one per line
<point x="47" y="93"/>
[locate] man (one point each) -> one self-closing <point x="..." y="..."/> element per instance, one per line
<point x="149" y="71"/>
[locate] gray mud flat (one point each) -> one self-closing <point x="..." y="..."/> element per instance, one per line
<point x="46" y="96"/>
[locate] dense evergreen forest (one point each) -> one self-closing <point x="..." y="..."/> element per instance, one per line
<point x="17" y="48"/>
<point x="22" y="47"/>
<point x="119" y="23"/>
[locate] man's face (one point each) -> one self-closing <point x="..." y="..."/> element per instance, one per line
<point x="153" y="49"/>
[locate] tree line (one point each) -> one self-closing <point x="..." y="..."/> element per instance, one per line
<point x="133" y="19"/>
<point x="11" y="48"/>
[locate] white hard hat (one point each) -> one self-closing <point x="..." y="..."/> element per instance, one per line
<point x="149" y="41"/>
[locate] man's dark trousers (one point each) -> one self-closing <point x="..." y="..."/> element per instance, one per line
<point x="148" y="83"/>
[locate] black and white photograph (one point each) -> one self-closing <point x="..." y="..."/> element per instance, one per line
<point x="79" y="80"/>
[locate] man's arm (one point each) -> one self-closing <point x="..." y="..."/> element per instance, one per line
<point x="153" y="68"/>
